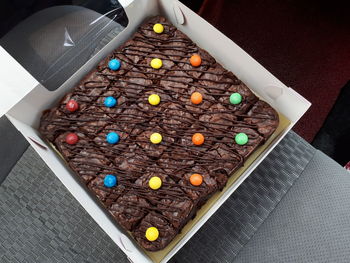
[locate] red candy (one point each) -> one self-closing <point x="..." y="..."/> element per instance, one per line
<point x="72" y="105"/>
<point x="72" y="138"/>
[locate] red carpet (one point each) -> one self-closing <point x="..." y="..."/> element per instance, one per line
<point x="306" y="44"/>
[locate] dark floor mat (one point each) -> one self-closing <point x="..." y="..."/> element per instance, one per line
<point x="334" y="136"/>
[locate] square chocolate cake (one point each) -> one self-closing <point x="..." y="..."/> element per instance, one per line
<point x="156" y="129"/>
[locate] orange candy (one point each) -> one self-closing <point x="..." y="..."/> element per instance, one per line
<point x="196" y="98"/>
<point x="196" y="179"/>
<point x="198" y="139"/>
<point x="196" y="60"/>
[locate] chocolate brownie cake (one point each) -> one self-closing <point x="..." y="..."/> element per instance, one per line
<point x="156" y="129"/>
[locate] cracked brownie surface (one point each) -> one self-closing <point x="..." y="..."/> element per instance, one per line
<point x="134" y="160"/>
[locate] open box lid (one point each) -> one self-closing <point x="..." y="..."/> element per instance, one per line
<point x="47" y="47"/>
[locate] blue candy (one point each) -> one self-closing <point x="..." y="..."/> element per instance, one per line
<point x="110" y="102"/>
<point x="114" y="64"/>
<point x="112" y="138"/>
<point x="110" y="180"/>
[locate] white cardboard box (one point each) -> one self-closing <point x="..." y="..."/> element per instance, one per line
<point x="24" y="98"/>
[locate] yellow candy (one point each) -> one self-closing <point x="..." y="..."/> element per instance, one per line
<point x="156" y="63"/>
<point x="156" y="138"/>
<point x="152" y="233"/>
<point x="158" y="28"/>
<point x="155" y="182"/>
<point x="154" y="99"/>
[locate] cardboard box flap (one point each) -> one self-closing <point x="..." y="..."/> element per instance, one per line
<point x="15" y="82"/>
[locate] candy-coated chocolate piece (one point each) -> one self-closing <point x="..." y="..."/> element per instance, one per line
<point x="72" y="105"/>
<point x="110" y="102"/>
<point x="155" y="182"/>
<point x="110" y="180"/>
<point x="72" y="138"/>
<point x="198" y="139"/>
<point x="154" y="99"/>
<point x="196" y="98"/>
<point x="152" y="233"/>
<point x="156" y="138"/>
<point x="241" y="138"/>
<point x="114" y="64"/>
<point x="112" y="138"/>
<point x="195" y="60"/>
<point x="158" y="28"/>
<point x="196" y="179"/>
<point x="156" y="63"/>
<point x="235" y="98"/>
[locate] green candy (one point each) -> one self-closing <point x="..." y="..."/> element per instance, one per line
<point x="241" y="138"/>
<point x="235" y="98"/>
